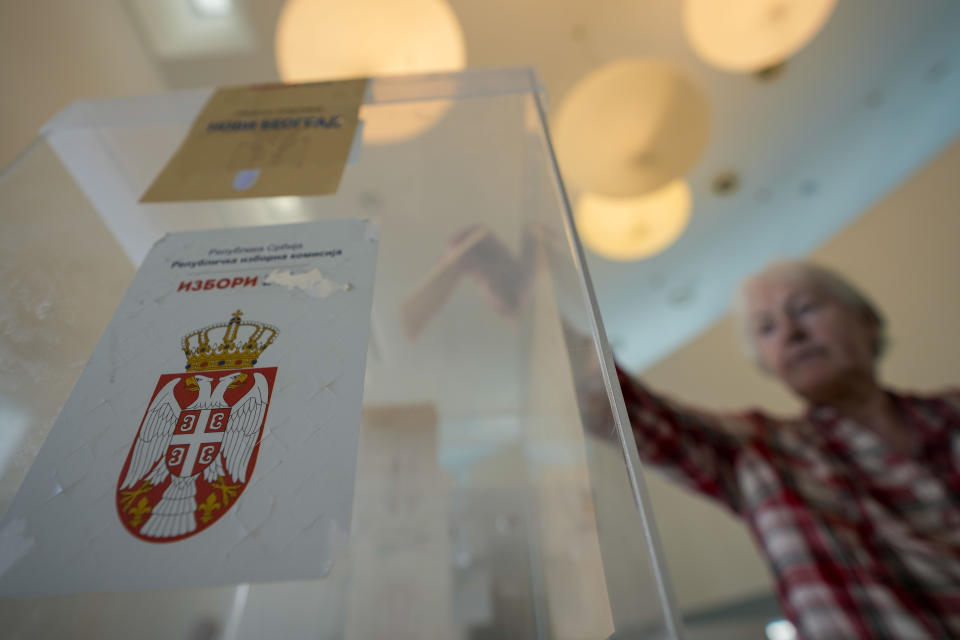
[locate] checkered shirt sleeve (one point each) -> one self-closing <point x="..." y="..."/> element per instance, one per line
<point x="863" y="540"/>
<point x="696" y="448"/>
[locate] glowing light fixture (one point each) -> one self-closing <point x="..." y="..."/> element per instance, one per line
<point x="631" y="127"/>
<point x="749" y="35"/>
<point x="781" y="630"/>
<point x="328" y="40"/>
<point x="637" y="227"/>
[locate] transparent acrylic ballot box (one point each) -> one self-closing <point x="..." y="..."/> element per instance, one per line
<point x="497" y="490"/>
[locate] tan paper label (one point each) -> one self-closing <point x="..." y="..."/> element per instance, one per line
<point x="261" y="141"/>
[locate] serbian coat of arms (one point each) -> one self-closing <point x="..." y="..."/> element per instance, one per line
<point x="197" y="444"/>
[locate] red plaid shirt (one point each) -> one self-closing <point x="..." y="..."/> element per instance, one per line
<point x="864" y="542"/>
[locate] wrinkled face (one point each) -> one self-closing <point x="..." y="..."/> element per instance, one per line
<point x="812" y="342"/>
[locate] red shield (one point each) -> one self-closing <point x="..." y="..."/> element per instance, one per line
<point x="194" y="453"/>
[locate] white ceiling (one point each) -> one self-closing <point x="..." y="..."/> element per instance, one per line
<point x="861" y="107"/>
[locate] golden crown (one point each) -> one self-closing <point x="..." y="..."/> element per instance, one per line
<point x="234" y="351"/>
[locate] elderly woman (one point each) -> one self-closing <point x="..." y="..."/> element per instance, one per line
<point x="856" y="503"/>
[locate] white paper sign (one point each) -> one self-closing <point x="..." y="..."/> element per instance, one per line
<point x="212" y="437"/>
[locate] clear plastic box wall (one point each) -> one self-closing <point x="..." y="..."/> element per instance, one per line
<point x="495" y="497"/>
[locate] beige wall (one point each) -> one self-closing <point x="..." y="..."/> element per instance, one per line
<point x="903" y="252"/>
<point x="56" y="51"/>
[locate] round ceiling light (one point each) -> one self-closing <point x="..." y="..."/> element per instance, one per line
<point x="750" y="35"/>
<point x="631" y="127"/>
<point x="634" y="228"/>
<point x="325" y="40"/>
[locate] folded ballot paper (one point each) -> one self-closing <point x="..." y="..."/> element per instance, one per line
<point x="212" y="437"/>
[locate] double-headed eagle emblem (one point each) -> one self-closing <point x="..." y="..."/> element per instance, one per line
<point x="198" y="442"/>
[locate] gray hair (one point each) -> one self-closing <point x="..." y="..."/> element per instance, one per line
<point x="827" y="280"/>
